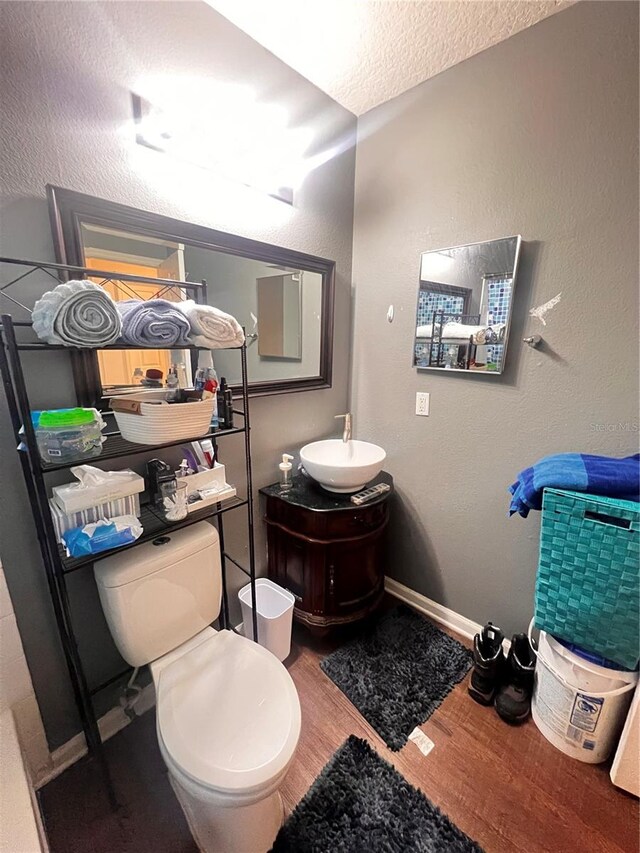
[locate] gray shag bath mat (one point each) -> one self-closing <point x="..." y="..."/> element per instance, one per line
<point x="398" y="672"/>
<point x="361" y="803"/>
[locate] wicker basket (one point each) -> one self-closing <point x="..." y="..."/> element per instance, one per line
<point x="146" y="418"/>
<point x="588" y="583"/>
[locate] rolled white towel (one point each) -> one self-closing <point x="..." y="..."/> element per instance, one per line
<point x="77" y="314"/>
<point x="460" y="331"/>
<point x="424" y="331"/>
<point x="211" y="327"/>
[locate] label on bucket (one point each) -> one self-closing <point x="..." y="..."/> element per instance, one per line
<point x="586" y="712"/>
<point x="553" y="699"/>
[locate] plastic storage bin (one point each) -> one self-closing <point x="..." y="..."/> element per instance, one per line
<point x="275" y="615"/>
<point x="66" y="435"/>
<point x="212" y="484"/>
<point x="579" y="706"/>
<point x="147" y="417"/>
<point x="588" y="581"/>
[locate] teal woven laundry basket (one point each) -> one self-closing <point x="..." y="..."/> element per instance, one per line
<point x="588" y="583"/>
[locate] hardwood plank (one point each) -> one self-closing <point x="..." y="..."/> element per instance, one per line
<point x="507" y="787"/>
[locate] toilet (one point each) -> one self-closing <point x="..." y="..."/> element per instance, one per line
<point x="228" y="713"/>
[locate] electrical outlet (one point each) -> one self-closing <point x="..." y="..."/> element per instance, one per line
<point x="422" y="403"/>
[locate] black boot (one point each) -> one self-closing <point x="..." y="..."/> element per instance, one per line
<point x="513" y="702"/>
<point x="488" y="659"/>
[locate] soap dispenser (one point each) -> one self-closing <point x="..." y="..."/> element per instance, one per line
<point x="286" y="478"/>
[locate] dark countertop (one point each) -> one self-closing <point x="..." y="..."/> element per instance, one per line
<point x="306" y="492"/>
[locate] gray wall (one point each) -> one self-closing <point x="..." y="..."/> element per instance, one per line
<point x="538" y="136"/>
<point x="67" y="70"/>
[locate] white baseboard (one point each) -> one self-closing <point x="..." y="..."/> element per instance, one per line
<point x="110" y="724"/>
<point x="438" y="612"/>
<point x="449" y="618"/>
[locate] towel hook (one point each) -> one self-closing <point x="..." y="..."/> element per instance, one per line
<point x="533" y="341"/>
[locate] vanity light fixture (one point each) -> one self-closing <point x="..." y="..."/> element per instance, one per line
<point x="248" y="143"/>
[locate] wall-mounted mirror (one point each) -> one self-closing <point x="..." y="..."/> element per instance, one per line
<point x="284" y="299"/>
<point x="465" y="299"/>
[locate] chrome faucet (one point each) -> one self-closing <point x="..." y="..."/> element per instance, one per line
<point x="346" y="435"/>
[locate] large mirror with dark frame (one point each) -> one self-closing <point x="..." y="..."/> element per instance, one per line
<point x="283" y="298"/>
<point x="465" y="300"/>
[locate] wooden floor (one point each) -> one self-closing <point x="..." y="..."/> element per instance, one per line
<point x="508" y="788"/>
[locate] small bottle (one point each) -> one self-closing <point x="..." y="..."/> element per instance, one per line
<point x="172" y="382"/>
<point x="199" y="379"/>
<point x="181" y="372"/>
<point x="286" y="477"/>
<point x="222" y="419"/>
<point x="201" y="373"/>
<point x="207" y="381"/>
<point x="211" y="387"/>
<point x="451" y="358"/>
<point x="137" y="377"/>
<point x="228" y="407"/>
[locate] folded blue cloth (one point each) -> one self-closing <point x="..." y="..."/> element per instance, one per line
<point x="579" y="472"/>
<point x="155" y="323"/>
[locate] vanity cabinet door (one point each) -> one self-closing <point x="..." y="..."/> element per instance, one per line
<point x="354" y="574"/>
<point x="299" y="567"/>
<point x="287" y="562"/>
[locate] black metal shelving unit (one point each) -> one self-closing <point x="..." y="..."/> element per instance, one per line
<point x="438" y="341"/>
<point x="17" y="337"/>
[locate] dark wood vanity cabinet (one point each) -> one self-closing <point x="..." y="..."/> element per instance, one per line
<point x="328" y="552"/>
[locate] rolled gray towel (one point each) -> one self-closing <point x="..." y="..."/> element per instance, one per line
<point x="77" y="314"/>
<point x="154" y="323"/>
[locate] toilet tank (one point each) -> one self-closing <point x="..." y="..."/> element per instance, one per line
<point x="158" y="595"/>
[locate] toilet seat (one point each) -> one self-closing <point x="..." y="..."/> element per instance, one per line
<point x="228" y="714"/>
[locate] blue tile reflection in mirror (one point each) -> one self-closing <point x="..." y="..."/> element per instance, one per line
<point x="465" y="301"/>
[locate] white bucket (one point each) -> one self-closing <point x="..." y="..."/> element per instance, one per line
<point x="275" y="614"/>
<point x="578" y="706"/>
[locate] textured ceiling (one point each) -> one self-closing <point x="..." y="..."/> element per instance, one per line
<point x="364" y="52"/>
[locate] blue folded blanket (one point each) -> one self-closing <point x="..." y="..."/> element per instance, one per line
<point x="579" y="472"/>
<point x="154" y="323"/>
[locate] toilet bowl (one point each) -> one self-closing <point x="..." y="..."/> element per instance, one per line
<point x="228" y="722"/>
<point x="227" y="710"/>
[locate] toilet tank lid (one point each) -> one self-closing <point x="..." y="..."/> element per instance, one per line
<point x="150" y="557"/>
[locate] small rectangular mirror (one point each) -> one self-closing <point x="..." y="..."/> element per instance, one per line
<point x="465" y="299"/>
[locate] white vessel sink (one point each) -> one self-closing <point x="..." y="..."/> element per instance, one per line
<point x="341" y="466"/>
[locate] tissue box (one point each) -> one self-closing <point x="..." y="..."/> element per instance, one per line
<point x="75" y="497"/>
<point x="63" y="522"/>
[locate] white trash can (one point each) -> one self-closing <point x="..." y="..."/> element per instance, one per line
<point x="275" y="615"/>
<point x="578" y="705"/>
